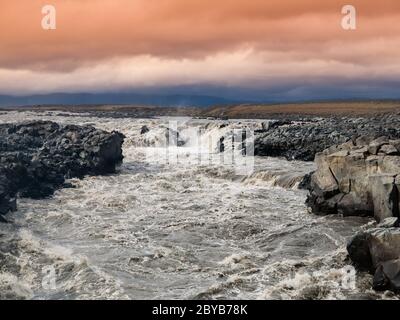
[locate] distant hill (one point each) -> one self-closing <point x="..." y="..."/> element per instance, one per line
<point x="167" y="100"/>
<point x="235" y="111"/>
<point x="322" y="108"/>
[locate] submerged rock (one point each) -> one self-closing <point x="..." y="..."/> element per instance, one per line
<point x="305" y="183"/>
<point x="37" y="157"/>
<point x="144" y="130"/>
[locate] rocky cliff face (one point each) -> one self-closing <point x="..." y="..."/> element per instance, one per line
<point x="362" y="177"/>
<point x="37" y="157"/>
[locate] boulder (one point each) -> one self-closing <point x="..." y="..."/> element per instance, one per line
<point x="359" y="251"/>
<point x="364" y="141"/>
<point x="378" y="251"/>
<point x="396" y="144"/>
<point x="376" y="144"/>
<point x="388" y="150"/>
<point x="384" y="244"/>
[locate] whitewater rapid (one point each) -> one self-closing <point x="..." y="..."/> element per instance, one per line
<point x="186" y="230"/>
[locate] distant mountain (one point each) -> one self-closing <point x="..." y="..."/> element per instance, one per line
<point x="167" y="100"/>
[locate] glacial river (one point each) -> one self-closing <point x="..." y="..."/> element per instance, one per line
<point x="183" y="229"/>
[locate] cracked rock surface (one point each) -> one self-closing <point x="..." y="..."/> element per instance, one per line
<point x="357" y="178"/>
<point x="362" y="177"/>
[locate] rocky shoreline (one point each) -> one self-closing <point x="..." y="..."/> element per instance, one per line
<point x="362" y="177"/>
<point x="301" y="138"/>
<point x="358" y="172"/>
<point x="37" y="157"/>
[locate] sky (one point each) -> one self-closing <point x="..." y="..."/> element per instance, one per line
<point x="258" y="49"/>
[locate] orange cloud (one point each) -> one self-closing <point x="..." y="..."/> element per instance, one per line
<point x="91" y="30"/>
<point x="106" y="44"/>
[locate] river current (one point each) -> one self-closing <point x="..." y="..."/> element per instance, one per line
<point x="177" y="230"/>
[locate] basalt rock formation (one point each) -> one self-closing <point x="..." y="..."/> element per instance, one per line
<point x="362" y="177"/>
<point x="37" y="157"/>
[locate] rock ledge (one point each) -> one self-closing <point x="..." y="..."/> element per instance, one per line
<point x="362" y="177"/>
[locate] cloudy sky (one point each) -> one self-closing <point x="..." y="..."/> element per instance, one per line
<point x="278" y="49"/>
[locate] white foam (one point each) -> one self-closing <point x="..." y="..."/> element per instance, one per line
<point x="167" y="231"/>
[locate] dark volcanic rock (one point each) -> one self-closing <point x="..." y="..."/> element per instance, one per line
<point x="387" y="276"/>
<point x="144" y="130"/>
<point x="358" y="249"/>
<point x="305" y="183"/>
<point x="302" y="139"/>
<point x="37" y="157"/>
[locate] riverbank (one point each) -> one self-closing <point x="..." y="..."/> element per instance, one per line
<point x="361" y="178"/>
<point x="249" y="237"/>
<point x="37" y="157"/>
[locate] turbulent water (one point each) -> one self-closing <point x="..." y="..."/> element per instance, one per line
<point x="181" y="230"/>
